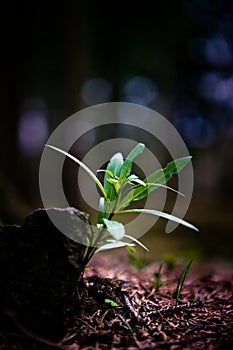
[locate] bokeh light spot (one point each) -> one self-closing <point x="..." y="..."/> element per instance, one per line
<point x="95" y="91"/>
<point x="32" y="128"/>
<point x="140" y="90"/>
<point x="197" y="130"/>
<point x="215" y="87"/>
<point x="217" y="51"/>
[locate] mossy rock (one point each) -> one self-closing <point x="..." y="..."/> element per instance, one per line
<point x="40" y="267"/>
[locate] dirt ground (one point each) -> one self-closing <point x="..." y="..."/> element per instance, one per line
<point x="143" y="317"/>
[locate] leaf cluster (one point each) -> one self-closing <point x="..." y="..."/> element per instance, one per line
<point x="120" y="188"/>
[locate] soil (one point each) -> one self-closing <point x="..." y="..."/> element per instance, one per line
<point x="143" y="318"/>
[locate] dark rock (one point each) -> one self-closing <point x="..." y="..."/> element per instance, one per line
<point x="39" y="268"/>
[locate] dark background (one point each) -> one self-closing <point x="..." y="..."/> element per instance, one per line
<point x="175" y="57"/>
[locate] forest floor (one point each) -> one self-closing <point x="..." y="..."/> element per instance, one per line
<point x="143" y="317"/>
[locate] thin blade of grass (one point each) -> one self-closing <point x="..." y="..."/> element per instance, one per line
<point x="181" y="281"/>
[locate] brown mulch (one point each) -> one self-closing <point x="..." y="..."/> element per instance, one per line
<point x="143" y="318"/>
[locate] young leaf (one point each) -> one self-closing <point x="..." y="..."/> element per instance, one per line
<point x="112" y="181"/>
<point x="116" y="244"/>
<point x="88" y="171"/>
<point x="161" y="214"/>
<point x="106" y="171"/>
<point x="161" y="176"/>
<point x="113" y="167"/>
<point x="115" y="228"/>
<point x="131" y="249"/>
<point x="127" y="165"/>
<point x="134" y="178"/>
<point x="115" y="183"/>
<point x="111" y="302"/>
<point x="154" y="181"/>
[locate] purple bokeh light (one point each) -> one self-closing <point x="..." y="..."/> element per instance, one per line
<point x="197" y="131"/>
<point x="95" y="91"/>
<point x="140" y="90"/>
<point x="217" y="51"/>
<point x="218" y="88"/>
<point x="32" y="128"/>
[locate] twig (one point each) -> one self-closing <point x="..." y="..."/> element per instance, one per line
<point x="173" y="309"/>
<point x="131" y="308"/>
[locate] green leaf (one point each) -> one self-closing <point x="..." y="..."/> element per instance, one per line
<point x="140" y="182"/>
<point x="115" y="183"/>
<point x="127" y="165"/>
<point x="131" y="249"/>
<point x="113" y="245"/>
<point x="106" y="171"/>
<point x="115" y="228"/>
<point x="160" y="214"/>
<point x="136" y="241"/>
<point x="114" y="167"/>
<point x="154" y="181"/>
<point x="111" y="302"/>
<point x="126" y="199"/>
<point x="167" y="187"/>
<point x="161" y="176"/>
<point x="88" y="171"/>
<point x="132" y="177"/>
<point x="135" y="178"/>
<point x="112" y="181"/>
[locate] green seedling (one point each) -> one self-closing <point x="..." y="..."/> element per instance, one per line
<point x="181" y="280"/>
<point x="111" y="302"/>
<point x="157" y="281"/>
<point x="120" y="188"/>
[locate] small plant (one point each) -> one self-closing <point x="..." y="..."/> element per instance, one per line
<point x="111" y="302"/>
<point x="120" y="188"/>
<point x="181" y="280"/>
